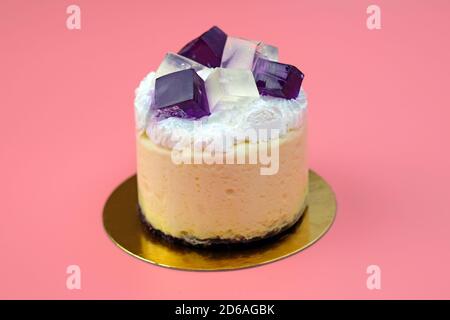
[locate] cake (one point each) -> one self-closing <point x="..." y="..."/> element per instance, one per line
<point x="221" y="136"/>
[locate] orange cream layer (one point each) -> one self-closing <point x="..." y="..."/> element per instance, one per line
<point x="196" y="202"/>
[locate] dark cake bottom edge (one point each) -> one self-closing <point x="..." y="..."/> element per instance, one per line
<point x="218" y="242"/>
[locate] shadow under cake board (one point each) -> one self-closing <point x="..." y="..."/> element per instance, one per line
<point x="123" y="225"/>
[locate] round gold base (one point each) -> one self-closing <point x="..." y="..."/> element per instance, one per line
<point x="125" y="229"/>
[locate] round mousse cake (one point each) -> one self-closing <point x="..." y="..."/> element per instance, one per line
<point x="221" y="142"/>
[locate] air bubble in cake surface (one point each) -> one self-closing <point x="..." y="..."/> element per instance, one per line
<point x="238" y="53"/>
<point x="174" y="62"/>
<point x="230" y="85"/>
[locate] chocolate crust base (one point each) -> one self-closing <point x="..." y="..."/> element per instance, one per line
<point x="222" y="243"/>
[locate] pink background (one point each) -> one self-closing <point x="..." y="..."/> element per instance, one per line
<point x="379" y="130"/>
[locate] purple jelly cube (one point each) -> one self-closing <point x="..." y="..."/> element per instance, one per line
<point x="277" y="79"/>
<point x="206" y="49"/>
<point x="181" y="94"/>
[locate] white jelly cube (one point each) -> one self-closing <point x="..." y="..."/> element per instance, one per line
<point x="174" y="62"/>
<point x="230" y="85"/>
<point x="267" y="51"/>
<point x="238" y="53"/>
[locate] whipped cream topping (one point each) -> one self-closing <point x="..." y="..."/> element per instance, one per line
<point x="229" y="121"/>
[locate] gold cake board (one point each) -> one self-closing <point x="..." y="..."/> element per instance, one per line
<point x="126" y="230"/>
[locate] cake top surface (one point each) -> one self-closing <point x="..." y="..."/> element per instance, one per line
<point x="219" y="85"/>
